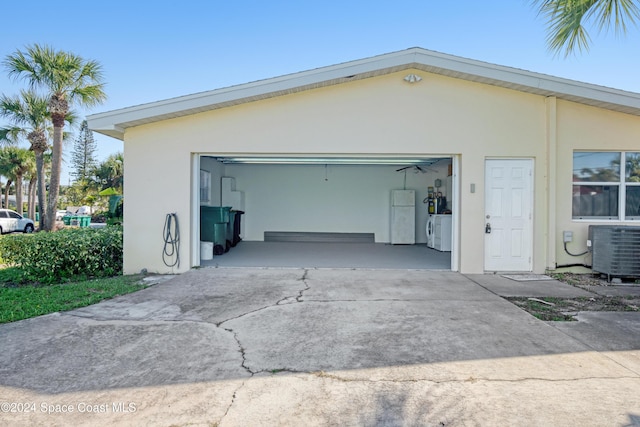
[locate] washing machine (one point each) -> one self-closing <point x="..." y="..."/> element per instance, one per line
<point x="439" y="232"/>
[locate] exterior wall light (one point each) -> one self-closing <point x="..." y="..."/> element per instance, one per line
<point x="412" y="78"/>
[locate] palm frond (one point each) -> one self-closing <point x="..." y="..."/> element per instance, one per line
<point x="13" y="109"/>
<point x="89" y="95"/>
<point x="10" y="135"/>
<point x="567" y="20"/>
<point x="27" y="109"/>
<point x="27" y="114"/>
<point x="61" y="74"/>
<point x="616" y="13"/>
<point x="91" y="71"/>
<point x="71" y="118"/>
<point x="18" y="65"/>
<point x="37" y="107"/>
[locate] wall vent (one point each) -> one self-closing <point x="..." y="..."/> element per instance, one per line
<point x="615" y="250"/>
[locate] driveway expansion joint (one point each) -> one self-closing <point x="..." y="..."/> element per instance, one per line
<point x="138" y="321"/>
<point x="409" y="300"/>
<point x="330" y="376"/>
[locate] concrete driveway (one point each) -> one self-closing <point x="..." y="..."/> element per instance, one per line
<point x="238" y="347"/>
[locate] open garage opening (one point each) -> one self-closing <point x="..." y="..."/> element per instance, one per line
<point x="320" y="212"/>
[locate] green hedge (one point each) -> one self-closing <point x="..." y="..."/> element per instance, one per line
<point x="58" y="256"/>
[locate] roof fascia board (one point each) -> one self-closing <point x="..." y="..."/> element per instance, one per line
<point x="244" y="91"/>
<point x="112" y="122"/>
<point x="528" y="79"/>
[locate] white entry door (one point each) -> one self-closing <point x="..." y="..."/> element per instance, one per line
<point x="508" y="242"/>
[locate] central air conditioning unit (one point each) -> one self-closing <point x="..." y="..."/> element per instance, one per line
<point x="615" y="250"/>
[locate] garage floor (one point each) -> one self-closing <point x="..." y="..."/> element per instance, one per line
<point x="332" y="255"/>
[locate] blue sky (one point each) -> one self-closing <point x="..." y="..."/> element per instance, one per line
<point x="162" y="49"/>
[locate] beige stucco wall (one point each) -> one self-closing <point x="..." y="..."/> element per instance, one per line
<point x="381" y="116"/>
<point x="580" y="127"/>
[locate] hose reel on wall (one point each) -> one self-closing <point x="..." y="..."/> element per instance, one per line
<point x="171" y="237"/>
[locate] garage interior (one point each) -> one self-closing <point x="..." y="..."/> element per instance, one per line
<point x="327" y="212"/>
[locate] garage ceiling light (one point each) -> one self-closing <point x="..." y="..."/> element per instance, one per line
<point x="328" y="160"/>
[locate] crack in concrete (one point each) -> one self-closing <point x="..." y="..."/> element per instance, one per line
<point x="281" y="370"/>
<point x="279" y="302"/>
<point x="289" y="298"/>
<point x="241" y="350"/>
<point x="322" y="374"/>
<point x="614" y="360"/>
<point x="233" y="399"/>
<point x="303" y="279"/>
<point x="219" y="324"/>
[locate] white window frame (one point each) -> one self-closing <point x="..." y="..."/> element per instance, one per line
<point x="625" y="184"/>
<point x="205" y="186"/>
<point x="622" y="185"/>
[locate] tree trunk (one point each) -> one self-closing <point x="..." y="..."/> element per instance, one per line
<point x="56" y="163"/>
<point x="6" y="194"/>
<point x="42" y="189"/>
<point x="31" y="199"/>
<point x="19" y="194"/>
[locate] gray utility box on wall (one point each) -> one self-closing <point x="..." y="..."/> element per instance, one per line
<point x="615" y="250"/>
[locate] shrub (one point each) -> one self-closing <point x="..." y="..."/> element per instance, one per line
<point x="56" y="257"/>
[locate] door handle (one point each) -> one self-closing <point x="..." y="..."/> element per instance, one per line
<point x="487" y="228"/>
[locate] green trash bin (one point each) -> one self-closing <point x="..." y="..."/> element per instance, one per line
<point x="84" y="220"/>
<point x="220" y="238"/>
<point x="220" y="213"/>
<point x="209" y="217"/>
<point x="206" y="225"/>
<point x="66" y="219"/>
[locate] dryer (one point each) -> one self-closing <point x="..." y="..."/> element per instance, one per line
<point x="429" y="230"/>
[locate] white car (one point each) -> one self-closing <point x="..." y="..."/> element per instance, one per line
<point x="60" y="214"/>
<point x="11" y="221"/>
<point x="84" y="210"/>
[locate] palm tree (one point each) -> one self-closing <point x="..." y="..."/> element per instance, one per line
<point x="31" y="175"/>
<point x="69" y="80"/>
<point x="14" y="164"/>
<point x="29" y="117"/>
<point x="566" y="19"/>
<point x="19" y="158"/>
<point x="6" y="170"/>
<point x="110" y="173"/>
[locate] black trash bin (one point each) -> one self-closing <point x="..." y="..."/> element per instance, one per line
<point x="236" y="227"/>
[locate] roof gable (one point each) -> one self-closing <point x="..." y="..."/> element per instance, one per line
<point x="114" y="123"/>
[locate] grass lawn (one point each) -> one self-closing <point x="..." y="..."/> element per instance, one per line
<point x="24" y="300"/>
